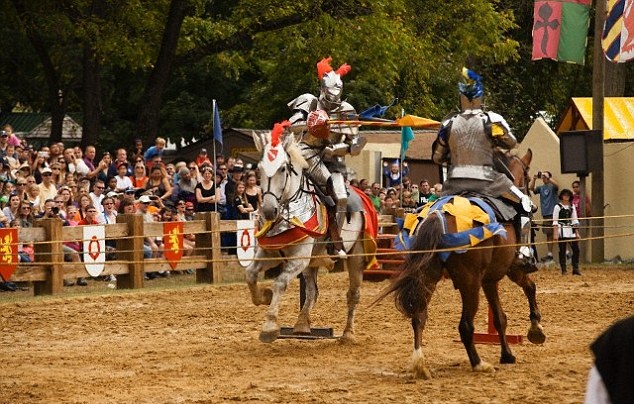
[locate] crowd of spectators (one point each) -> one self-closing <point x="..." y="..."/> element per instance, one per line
<point x="90" y="186"/>
<point x="403" y="194"/>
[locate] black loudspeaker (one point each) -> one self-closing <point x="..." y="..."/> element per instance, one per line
<point x="578" y="151"/>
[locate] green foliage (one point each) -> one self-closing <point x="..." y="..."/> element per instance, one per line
<point x="254" y="56"/>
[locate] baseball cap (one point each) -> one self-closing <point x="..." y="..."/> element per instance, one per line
<point x="130" y="190"/>
<point x="203" y="151"/>
<point x="112" y="194"/>
<point x="145" y="199"/>
<point x="189" y="205"/>
<point x="46" y="170"/>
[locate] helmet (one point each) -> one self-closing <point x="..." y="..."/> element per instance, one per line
<point x="471" y="85"/>
<point x="330" y="85"/>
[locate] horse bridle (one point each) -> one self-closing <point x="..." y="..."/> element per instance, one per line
<point x="289" y="169"/>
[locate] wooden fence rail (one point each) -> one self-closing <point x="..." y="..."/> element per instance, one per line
<point x="49" y="270"/>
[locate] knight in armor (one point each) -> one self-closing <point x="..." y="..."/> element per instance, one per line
<point x="467" y="143"/>
<point x="324" y="146"/>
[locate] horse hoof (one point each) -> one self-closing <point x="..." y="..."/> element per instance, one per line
<point x="348" y="339"/>
<point x="303" y="329"/>
<point x="536" y="334"/>
<point x="422" y="372"/>
<point x="484" y="367"/>
<point x="507" y="358"/>
<point x="269" y="336"/>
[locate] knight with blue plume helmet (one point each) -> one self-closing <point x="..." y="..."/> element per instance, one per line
<point x="468" y="144"/>
<point x="471" y="84"/>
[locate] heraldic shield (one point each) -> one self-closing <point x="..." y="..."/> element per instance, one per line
<point x="173" y="242"/>
<point x="8" y="252"/>
<point x="246" y="241"/>
<point x="94" y="249"/>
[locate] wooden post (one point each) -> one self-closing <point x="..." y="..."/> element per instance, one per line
<point x="598" y="88"/>
<point x="130" y="249"/>
<point x="208" y="244"/>
<point x="50" y="252"/>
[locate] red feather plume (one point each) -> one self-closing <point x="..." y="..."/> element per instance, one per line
<point x="344" y="69"/>
<point x="324" y="67"/>
<point x="278" y="130"/>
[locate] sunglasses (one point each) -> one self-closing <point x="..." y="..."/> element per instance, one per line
<point x="46" y="174"/>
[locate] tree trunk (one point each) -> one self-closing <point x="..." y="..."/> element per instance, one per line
<point x="92" y="86"/>
<point x="149" y="110"/>
<point x="55" y="93"/>
<point x="92" y="97"/>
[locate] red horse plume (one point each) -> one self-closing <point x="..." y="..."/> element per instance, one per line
<point x="277" y="131"/>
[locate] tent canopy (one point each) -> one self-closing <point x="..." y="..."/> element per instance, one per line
<point x="618" y="114"/>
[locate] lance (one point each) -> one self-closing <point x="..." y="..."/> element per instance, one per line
<point x="407" y="120"/>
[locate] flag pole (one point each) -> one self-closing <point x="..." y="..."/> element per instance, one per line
<point x="213" y="139"/>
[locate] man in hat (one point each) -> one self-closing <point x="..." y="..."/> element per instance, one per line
<point x="466" y="142"/>
<point x="325" y="146"/>
<point x="48" y="190"/>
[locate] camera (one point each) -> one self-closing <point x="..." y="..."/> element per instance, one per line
<point x="55" y="210"/>
<point x="539" y="174"/>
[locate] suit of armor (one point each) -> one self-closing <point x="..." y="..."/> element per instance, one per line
<point x="471" y="136"/>
<point x="466" y="142"/>
<point x="325" y="146"/>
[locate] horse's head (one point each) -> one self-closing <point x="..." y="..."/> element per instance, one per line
<point x="519" y="167"/>
<point x="280" y="168"/>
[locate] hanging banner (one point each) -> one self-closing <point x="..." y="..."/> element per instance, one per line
<point x="617" y="39"/>
<point x="246" y="241"/>
<point x="8" y="252"/>
<point x="173" y="242"/>
<point x="94" y="249"/>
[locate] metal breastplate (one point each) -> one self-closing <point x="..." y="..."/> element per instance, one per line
<point x="301" y="208"/>
<point x="470" y="148"/>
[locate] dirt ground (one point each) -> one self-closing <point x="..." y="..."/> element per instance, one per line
<point x="199" y="344"/>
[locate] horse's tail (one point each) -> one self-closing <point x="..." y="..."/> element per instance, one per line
<point x="421" y="271"/>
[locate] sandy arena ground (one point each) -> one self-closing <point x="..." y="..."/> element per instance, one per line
<point x="199" y="344"/>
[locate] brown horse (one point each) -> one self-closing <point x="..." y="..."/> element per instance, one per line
<point x="480" y="267"/>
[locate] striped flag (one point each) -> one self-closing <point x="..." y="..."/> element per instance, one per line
<point x="560" y="30"/>
<point x="617" y="40"/>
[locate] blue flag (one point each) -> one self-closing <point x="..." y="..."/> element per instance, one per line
<point x="217" y="125"/>
<point x="376" y="111"/>
<point x="407" y="135"/>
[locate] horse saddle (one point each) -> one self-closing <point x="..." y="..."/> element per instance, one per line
<point x="467" y="221"/>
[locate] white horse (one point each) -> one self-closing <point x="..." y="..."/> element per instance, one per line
<point x="292" y="233"/>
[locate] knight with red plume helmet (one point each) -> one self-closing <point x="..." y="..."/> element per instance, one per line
<point x="325" y="146"/>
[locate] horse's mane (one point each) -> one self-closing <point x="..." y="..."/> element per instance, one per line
<point x="295" y="153"/>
